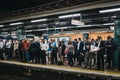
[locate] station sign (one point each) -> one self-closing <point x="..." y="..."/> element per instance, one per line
<point x="77" y="22"/>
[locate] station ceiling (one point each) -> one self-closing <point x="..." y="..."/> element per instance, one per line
<point x="90" y="17"/>
<point x="12" y="5"/>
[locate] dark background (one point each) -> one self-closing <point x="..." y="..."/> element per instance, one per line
<point x="12" y="5"/>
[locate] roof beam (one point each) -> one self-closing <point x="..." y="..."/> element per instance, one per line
<point x="92" y="5"/>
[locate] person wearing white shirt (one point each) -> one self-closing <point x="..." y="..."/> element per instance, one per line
<point x="8" y="49"/>
<point x="16" y="51"/>
<point x="1" y="49"/>
<point x="44" y="48"/>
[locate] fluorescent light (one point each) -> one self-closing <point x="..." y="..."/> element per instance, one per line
<point x="13" y="31"/>
<point x="17" y="23"/>
<point x="38" y="20"/>
<point x="110" y="10"/>
<point x="30" y="35"/>
<point x="4" y="32"/>
<point x="28" y="30"/>
<point x="13" y="34"/>
<point x="112" y="28"/>
<point x="68" y="16"/>
<point x="106" y="24"/>
<point x="85" y="26"/>
<point x="62" y="28"/>
<point x="40" y="30"/>
<point x="1" y="25"/>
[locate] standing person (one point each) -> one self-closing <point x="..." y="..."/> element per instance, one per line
<point x="20" y="51"/>
<point x="75" y="44"/>
<point x="84" y="47"/>
<point x="1" y="49"/>
<point x="37" y="51"/>
<point x="16" y="50"/>
<point x="8" y="49"/>
<point x="60" y="58"/>
<point x="100" y="56"/>
<point x="85" y="50"/>
<point x="49" y="51"/>
<point x="25" y="47"/>
<point x="93" y="53"/>
<point x="44" y="47"/>
<point x="59" y="51"/>
<point x="31" y="51"/>
<point x="54" y="51"/>
<point x="87" y="54"/>
<point x="63" y="47"/>
<point x="110" y="46"/>
<point x="79" y="51"/>
<point x="70" y="53"/>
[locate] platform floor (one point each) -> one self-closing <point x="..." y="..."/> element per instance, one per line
<point x="77" y="70"/>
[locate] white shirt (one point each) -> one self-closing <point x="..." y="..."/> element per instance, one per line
<point x="8" y="45"/>
<point x="1" y="45"/>
<point x="78" y="45"/>
<point x="44" y="46"/>
<point x="16" y="46"/>
<point x="99" y="44"/>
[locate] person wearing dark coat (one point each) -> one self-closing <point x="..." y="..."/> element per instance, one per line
<point x="31" y="51"/>
<point x="63" y="47"/>
<point x="110" y="46"/>
<point x="87" y="54"/>
<point x="20" y="51"/>
<point x="100" y="54"/>
<point x="80" y="51"/>
<point x="37" y="52"/>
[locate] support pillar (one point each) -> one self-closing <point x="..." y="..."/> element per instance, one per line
<point x="117" y="41"/>
<point x="21" y="34"/>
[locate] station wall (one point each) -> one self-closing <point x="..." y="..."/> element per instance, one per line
<point x="92" y="35"/>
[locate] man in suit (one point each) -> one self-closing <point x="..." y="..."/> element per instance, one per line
<point x="79" y="51"/>
<point x="37" y="51"/>
<point x="110" y="46"/>
<point x="100" y="56"/>
<point x="87" y="50"/>
<point x="75" y="44"/>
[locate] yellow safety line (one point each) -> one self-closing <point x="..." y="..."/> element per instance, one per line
<point x="66" y="68"/>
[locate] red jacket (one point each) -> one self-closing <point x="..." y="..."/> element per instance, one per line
<point x="25" y="45"/>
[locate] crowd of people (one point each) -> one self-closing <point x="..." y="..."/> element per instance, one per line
<point x="87" y="53"/>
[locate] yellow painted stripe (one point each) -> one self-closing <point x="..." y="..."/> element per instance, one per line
<point x="66" y="68"/>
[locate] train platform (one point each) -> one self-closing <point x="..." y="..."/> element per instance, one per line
<point x="65" y="69"/>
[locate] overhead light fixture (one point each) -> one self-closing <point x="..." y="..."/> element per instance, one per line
<point x="13" y="34"/>
<point x="4" y="32"/>
<point x="112" y="28"/>
<point x="109" y="10"/>
<point x="28" y="30"/>
<point x="30" y="35"/>
<point x="84" y="26"/>
<point x="71" y="15"/>
<point x="1" y="25"/>
<point x="107" y="24"/>
<point x="40" y="30"/>
<point x="62" y="28"/>
<point x="17" y="23"/>
<point x="38" y="20"/>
